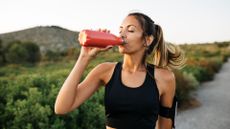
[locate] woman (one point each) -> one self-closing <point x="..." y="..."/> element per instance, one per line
<point x="138" y="95"/>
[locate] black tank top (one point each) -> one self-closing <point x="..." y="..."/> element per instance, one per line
<point x="131" y="108"/>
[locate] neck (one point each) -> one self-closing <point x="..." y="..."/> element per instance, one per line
<point x="133" y="63"/>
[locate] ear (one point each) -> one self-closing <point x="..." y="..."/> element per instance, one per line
<point x="149" y="39"/>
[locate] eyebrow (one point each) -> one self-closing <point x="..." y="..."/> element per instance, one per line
<point x="128" y="26"/>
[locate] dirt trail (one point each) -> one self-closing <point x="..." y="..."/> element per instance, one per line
<point x="214" y="113"/>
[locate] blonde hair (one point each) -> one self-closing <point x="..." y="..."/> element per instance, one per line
<point x="167" y="54"/>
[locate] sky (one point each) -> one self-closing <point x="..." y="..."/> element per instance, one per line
<point x="183" y="21"/>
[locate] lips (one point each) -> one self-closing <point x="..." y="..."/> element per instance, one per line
<point x="124" y="41"/>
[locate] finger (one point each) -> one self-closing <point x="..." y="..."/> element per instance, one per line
<point x="107" y="48"/>
<point x="107" y="31"/>
<point x="94" y="51"/>
<point x="104" y="30"/>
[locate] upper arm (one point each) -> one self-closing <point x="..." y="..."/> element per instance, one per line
<point x="168" y="88"/>
<point x="168" y="92"/>
<point x="90" y="84"/>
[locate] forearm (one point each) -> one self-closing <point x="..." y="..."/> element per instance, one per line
<point x="67" y="93"/>
<point x="163" y="123"/>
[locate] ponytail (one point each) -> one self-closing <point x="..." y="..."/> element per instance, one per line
<point x="165" y="55"/>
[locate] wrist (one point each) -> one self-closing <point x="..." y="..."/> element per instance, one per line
<point x="86" y="58"/>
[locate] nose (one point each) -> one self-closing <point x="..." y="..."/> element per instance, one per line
<point x="122" y="34"/>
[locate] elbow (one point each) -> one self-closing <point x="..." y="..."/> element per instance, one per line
<point x="58" y="110"/>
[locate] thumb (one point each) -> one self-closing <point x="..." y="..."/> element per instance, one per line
<point x="106" y="48"/>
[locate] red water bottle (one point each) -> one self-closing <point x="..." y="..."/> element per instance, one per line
<point x="91" y="38"/>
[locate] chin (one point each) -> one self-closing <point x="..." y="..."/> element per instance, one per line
<point x="121" y="49"/>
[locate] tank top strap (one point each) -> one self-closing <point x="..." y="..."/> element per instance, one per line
<point x="151" y="70"/>
<point x="151" y="74"/>
<point x="115" y="75"/>
<point x="117" y="70"/>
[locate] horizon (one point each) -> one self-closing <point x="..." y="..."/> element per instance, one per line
<point x="190" y="21"/>
<point x="78" y="31"/>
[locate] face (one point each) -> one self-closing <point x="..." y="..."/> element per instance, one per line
<point x="132" y="33"/>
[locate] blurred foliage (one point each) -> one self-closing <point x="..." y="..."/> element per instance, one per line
<point x="17" y="52"/>
<point x="28" y="93"/>
<point x="2" y="57"/>
<point x="186" y="82"/>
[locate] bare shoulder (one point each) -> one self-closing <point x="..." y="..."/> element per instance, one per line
<point x="164" y="74"/>
<point x="106" y="66"/>
<point x="105" y="70"/>
<point x="165" y="80"/>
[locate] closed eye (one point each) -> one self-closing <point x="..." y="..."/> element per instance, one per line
<point x="131" y="31"/>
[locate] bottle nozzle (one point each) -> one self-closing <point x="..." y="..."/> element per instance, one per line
<point x="123" y="42"/>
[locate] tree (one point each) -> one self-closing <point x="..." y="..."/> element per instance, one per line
<point x="1" y="53"/>
<point x="33" y="52"/>
<point x="18" y="52"/>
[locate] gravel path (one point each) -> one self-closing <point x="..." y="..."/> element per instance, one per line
<point x="214" y="113"/>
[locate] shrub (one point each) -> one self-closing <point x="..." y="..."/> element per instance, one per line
<point x="17" y="52"/>
<point x="30" y="112"/>
<point x="28" y="102"/>
<point x="2" y="59"/>
<point x="33" y="52"/>
<point x="52" y="55"/>
<point x="185" y="83"/>
<point x="73" y="53"/>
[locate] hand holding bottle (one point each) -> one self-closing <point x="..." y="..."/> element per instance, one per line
<point x="87" y="41"/>
<point x="103" y="38"/>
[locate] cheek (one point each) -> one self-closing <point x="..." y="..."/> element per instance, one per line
<point x="135" y="42"/>
<point x="135" y="38"/>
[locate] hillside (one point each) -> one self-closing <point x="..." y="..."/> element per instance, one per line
<point x="47" y="37"/>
